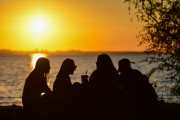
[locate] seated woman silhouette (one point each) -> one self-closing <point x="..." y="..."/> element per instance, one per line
<point x="62" y="87"/>
<point x="102" y="82"/>
<point x="36" y="84"/>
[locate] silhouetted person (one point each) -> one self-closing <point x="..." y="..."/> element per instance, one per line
<point x="63" y="88"/>
<point x="36" y="84"/>
<point x="131" y="81"/>
<point x="102" y="82"/>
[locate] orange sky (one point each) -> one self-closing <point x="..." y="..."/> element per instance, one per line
<point x="86" y="25"/>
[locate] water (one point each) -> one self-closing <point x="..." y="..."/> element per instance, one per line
<point x="14" y="70"/>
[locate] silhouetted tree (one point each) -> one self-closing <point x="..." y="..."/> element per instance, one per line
<point x="160" y="34"/>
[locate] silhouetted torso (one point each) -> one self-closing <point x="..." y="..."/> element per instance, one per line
<point x="35" y="85"/>
<point x="102" y="82"/>
<point x="138" y="94"/>
<point x="62" y="87"/>
<point x="132" y="81"/>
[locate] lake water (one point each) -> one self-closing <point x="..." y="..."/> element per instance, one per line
<point x="15" y="68"/>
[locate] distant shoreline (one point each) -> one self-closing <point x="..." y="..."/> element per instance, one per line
<point x="4" y="51"/>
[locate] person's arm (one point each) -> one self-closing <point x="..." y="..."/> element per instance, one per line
<point x="92" y="78"/>
<point x="46" y="89"/>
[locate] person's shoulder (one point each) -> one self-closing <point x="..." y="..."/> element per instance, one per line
<point x="137" y="71"/>
<point x="93" y="75"/>
<point x="30" y="76"/>
<point x="95" y="72"/>
<point x="76" y="85"/>
<point x="35" y="74"/>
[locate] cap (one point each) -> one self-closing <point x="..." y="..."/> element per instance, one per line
<point x="125" y="61"/>
<point x="124" y="64"/>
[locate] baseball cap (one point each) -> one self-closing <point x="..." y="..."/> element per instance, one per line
<point x="125" y="61"/>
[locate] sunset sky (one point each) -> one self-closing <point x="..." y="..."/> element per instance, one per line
<point x="86" y="25"/>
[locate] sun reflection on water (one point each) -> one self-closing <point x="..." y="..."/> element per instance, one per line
<point x="35" y="57"/>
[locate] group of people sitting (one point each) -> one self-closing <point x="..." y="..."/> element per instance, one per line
<point x="106" y="87"/>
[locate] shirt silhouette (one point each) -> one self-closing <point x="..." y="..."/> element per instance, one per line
<point x="102" y="81"/>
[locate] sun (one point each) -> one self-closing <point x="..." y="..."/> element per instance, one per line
<point x="39" y="29"/>
<point x="39" y="25"/>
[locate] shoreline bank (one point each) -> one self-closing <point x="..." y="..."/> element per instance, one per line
<point x="162" y="111"/>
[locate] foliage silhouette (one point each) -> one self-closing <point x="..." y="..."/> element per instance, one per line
<point x="160" y="34"/>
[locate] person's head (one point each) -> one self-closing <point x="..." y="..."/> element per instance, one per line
<point x="124" y="65"/>
<point x="68" y="66"/>
<point x="104" y="63"/>
<point x="42" y="65"/>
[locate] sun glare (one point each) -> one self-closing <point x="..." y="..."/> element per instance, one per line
<point x="41" y="30"/>
<point x="39" y="25"/>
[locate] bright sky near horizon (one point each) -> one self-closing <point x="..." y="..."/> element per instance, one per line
<point x="86" y="25"/>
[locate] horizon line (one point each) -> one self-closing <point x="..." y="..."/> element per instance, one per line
<point x="65" y="51"/>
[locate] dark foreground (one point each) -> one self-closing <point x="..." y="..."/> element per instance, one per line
<point x="165" y="111"/>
